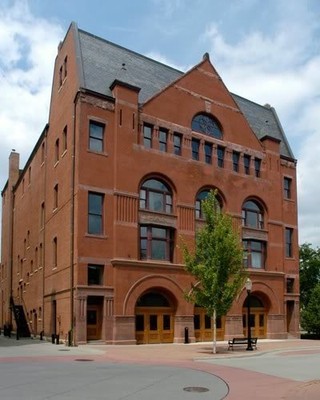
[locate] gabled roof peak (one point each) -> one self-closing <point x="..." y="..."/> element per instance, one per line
<point x="206" y="56"/>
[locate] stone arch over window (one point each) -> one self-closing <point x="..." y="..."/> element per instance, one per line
<point x="206" y="124"/>
<point x="156" y="195"/>
<point x="202" y="195"/>
<point x="253" y="214"/>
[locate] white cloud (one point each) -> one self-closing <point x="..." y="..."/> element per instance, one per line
<point x="27" y="50"/>
<point x="282" y="70"/>
<point x="164" y="60"/>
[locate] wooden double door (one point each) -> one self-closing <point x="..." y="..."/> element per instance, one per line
<point x="154" y="325"/>
<point x="258" y="323"/>
<point x="203" y="326"/>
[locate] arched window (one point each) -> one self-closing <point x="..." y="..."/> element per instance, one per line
<point x="153" y="299"/>
<point x="252" y="215"/>
<point x="155" y="195"/>
<point x="200" y="197"/>
<point x="204" y="123"/>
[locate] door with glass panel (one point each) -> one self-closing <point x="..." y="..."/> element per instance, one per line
<point x="94" y="317"/>
<point x="203" y="326"/>
<point x="154" y="319"/>
<point x="258" y="318"/>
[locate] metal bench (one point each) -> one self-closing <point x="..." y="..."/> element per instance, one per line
<point x="242" y="342"/>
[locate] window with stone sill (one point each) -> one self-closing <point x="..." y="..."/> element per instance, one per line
<point x="254" y="253"/>
<point x="208" y="152"/>
<point x="287" y="182"/>
<point x="95" y="213"/>
<point x="195" y="147"/>
<point x="235" y="161"/>
<point x="177" y="144"/>
<point x="147" y="135"/>
<point x="220" y="156"/>
<point x="163" y="138"/>
<point x="96" y="136"/>
<point x="156" y="243"/>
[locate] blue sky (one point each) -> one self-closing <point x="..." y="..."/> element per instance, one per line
<point x="266" y="51"/>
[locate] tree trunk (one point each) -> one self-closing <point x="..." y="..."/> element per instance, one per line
<point x="214" y="345"/>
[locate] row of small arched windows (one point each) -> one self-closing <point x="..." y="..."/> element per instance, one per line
<point x="156" y="195"/>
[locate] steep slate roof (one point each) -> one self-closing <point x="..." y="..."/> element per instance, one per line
<point x="101" y="62"/>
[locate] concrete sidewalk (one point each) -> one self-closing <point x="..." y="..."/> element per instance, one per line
<point x="36" y="369"/>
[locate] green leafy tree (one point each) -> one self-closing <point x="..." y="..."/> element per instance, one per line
<point x="216" y="262"/>
<point x="309" y="272"/>
<point x="310" y="315"/>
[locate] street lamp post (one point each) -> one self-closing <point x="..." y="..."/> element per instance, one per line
<point x="249" y="287"/>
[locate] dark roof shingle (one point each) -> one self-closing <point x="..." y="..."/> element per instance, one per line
<point x="102" y="62"/>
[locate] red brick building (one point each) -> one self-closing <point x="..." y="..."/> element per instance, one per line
<point x="91" y="225"/>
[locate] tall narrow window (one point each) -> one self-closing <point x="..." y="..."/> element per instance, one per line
<point x="96" y="136"/>
<point x="220" y="154"/>
<point x="257" y="167"/>
<point x="42" y="216"/>
<point x="36" y="259"/>
<point x="55" y="196"/>
<point x="55" y="252"/>
<point x="195" y="145"/>
<point x="288" y="238"/>
<point x="65" y="138"/>
<point x="163" y="135"/>
<point x="56" y="151"/>
<point x="235" y="160"/>
<point x="177" y="140"/>
<point x="208" y="152"/>
<point x="60" y="76"/>
<point x="95" y="213"/>
<point x="40" y="256"/>
<point x="42" y="153"/>
<point x="29" y="175"/>
<point x="147" y="136"/>
<point x="246" y="161"/>
<point x="65" y="66"/>
<point x="287" y="187"/>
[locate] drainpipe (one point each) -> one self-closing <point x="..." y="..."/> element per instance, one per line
<point x="72" y="336"/>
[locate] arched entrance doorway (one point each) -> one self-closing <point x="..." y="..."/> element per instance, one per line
<point x="154" y="319"/>
<point x="258" y="317"/>
<point x="203" y="326"/>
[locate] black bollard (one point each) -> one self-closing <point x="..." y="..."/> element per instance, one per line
<point x="186" y="335"/>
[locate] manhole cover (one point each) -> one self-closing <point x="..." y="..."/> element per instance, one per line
<point x="64" y="349"/>
<point x="196" y="389"/>
<point x="82" y="359"/>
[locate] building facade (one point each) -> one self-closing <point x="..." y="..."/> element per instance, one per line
<point x="91" y="225"/>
